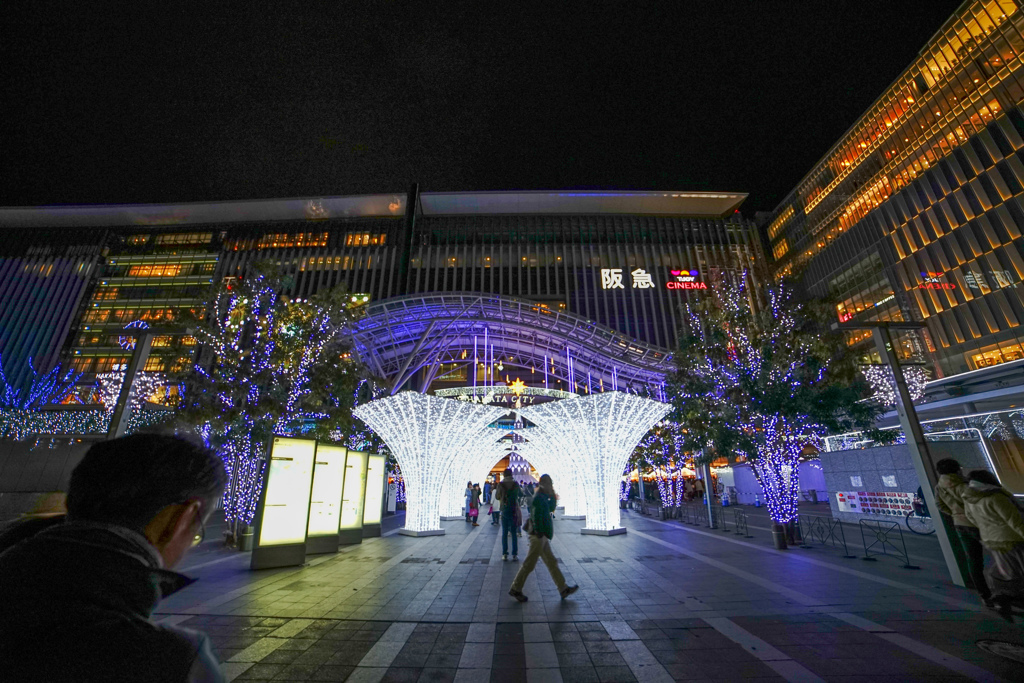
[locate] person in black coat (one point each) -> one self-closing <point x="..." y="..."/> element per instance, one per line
<point x="77" y="593"/>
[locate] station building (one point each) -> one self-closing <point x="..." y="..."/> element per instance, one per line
<point x="917" y="212"/>
<point x="72" y="278"/>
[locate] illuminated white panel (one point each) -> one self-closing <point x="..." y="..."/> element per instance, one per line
<point x="372" y="510"/>
<point x="286" y="501"/>
<point x="355" y="485"/>
<point x="328" y="477"/>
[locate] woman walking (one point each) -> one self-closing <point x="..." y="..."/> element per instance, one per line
<point x="991" y="509"/>
<point x="541" y="530"/>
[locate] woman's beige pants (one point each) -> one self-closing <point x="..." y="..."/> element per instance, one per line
<point x="540" y="547"/>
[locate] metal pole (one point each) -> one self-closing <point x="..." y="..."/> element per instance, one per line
<point x="918" y="447"/>
<point x="122" y="410"/>
<point x="709" y="495"/>
<point x="640" y="486"/>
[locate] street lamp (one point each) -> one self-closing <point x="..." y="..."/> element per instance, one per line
<point x="914" y="435"/>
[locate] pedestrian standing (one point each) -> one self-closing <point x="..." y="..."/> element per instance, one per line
<point x="495" y="508"/>
<point x="949" y="496"/>
<point x="541" y="530"/>
<point x="508" y="492"/>
<point x="990" y="508"/>
<point x="469" y="497"/>
<point x="487" y="490"/>
<point x="474" y="504"/>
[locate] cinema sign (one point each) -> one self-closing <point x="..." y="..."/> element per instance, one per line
<point x="685" y="279"/>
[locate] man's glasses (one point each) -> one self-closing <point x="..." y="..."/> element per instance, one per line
<point x="198" y="538"/>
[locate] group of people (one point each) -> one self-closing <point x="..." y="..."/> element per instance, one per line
<point x="985" y="516"/>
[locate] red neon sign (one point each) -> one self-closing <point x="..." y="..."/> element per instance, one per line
<point x="685" y="285"/>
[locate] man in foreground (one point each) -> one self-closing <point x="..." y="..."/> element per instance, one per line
<point x="76" y="597"/>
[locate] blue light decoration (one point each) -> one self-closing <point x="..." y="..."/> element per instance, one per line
<point x="259" y="377"/>
<point x="755" y="361"/>
<point x="20" y="407"/>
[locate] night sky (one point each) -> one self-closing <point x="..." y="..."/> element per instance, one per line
<point x="306" y="99"/>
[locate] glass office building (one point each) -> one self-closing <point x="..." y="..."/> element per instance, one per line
<point x="627" y="260"/>
<point x="917" y="213"/>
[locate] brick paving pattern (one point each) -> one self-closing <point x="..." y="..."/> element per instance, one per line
<point x="664" y="602"/>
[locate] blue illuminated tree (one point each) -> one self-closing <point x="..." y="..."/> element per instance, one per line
<point x="760" y="377"/>
<point x="20" y="406"/>
<point x="269" y="366"/>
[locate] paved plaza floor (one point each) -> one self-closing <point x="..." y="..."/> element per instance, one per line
<point x="667" y="601"/>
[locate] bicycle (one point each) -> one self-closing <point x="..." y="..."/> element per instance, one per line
<point x="919" y="520"/>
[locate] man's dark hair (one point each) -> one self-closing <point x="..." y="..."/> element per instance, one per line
<point x="984" y="476"/>
<point x="127" y="481"/>
<point x="947" y="466"/>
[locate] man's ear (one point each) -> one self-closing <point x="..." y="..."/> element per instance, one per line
<point x="184" y="522"/>
<point x="169" y="522"/>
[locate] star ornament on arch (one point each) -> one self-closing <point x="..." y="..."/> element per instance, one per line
<point x="518" y="387"/>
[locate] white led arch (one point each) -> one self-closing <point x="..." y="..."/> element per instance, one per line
<point x="549" y="455"/>
<point x="599" y="431"/>
<point x="477" y="456"/>
<point x="426" y="434"/>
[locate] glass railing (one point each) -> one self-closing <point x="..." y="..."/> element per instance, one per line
<point x="999" y="433"/>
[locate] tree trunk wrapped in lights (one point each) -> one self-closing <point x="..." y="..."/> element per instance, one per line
<point x="427" y="435"/>
<point x="761" y="377"/>
<point x="598" y="432"/>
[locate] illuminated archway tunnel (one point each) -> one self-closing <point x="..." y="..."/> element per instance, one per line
<point x="440" y="443"/>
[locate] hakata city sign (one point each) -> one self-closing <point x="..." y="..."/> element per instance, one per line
<point x="685" y="279"/>
<point x="614" y="278"/>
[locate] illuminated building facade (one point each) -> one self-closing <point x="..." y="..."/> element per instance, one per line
<point x="917" y="213"/>
<point x="626" y="260"/>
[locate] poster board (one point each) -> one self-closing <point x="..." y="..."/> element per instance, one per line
<point x="283" y="511"/>
<point x="325" y="500"/>
<point x="373" y="506"/>
<point x="350" y="526"/>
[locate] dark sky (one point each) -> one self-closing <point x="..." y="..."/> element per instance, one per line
<point x="306" y="98"/>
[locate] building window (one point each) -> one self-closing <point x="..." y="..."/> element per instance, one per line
<point x="780" y="220"/>
<point x="156" y="270"/>
<point x="780" y="249"/>
<point x="364" y="239"/>
<point x="995" y="355"/>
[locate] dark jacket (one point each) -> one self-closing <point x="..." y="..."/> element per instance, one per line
<point x="75" y="605"/>
<point x="540" y="513"/>
<point x="509" y="494"/>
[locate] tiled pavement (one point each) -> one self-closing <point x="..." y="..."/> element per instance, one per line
<point x="663" y="602"/>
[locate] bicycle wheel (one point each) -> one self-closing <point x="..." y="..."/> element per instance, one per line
<point x="922" y="526"/>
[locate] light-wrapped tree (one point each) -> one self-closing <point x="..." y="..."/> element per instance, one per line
<point x="269" y="366"/>
<point x="760" y="377"/>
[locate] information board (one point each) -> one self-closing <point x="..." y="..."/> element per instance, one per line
<point x="287" y="490"/>
<point x="328" y="478"/>
<point x="350" y="528"/>
<point x="374" y="498"/>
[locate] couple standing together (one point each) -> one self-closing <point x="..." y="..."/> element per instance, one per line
<point x="538" y="526"/>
